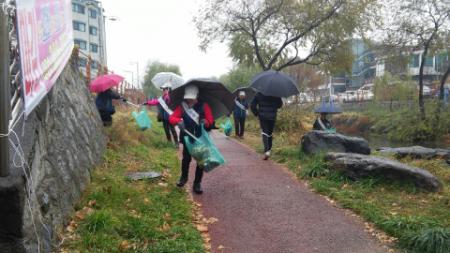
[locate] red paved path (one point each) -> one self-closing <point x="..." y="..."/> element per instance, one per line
<point x="262" y="209"/>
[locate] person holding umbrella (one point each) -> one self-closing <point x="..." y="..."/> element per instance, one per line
<point x="196" y="104"/>
<point x="322" y="122"/>
<point x="102" y="85"/>
<point x="271" y="87"/>
<point x="190" y="116"/>
<point x="164" y="113"/>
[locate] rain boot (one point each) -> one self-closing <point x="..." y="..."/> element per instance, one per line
<point x="197" y="188"/>
<point x="184" y="168"/>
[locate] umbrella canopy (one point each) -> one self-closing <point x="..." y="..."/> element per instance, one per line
<point x="329" y="108"/>
<point x="274" y="84"/>
<point x="105" y="82"/>
<point x="165" y="78"/>
<point x="249" y="92"/>
<point x="219" y="98"/>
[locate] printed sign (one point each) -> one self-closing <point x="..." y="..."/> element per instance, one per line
<point x="45" y="42"/>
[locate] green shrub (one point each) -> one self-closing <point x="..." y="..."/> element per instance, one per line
<point x="99" y="221"/>
<point x="397" y="224"/>
<point x="432" y="240"/>
<point x="314" y="166"/>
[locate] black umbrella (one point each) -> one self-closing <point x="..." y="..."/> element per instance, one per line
<point x="249" y="92"/>
<point x="219" y="98"/>
<point x="275" y="84"/>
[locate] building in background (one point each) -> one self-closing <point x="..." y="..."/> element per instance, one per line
<point x="369" y="63"/>
<point x="89" y="33"/>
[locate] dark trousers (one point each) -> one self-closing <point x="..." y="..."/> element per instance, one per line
<point x="239" y="126"/>
<point x="187" y="158"/>
<point x="267" y="127"/>
<point x="170" y="131"/>
<point x="106" y="117"/>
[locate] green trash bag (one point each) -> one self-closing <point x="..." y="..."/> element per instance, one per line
<point x="227" y="127"/>
<point x="142" y="119"/>
<point x="204" y="151"/>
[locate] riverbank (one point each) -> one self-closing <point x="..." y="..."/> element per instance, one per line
<point x="412" y="219"/>
<point x="403" y="127"/>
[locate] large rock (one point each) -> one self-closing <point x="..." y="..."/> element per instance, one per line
<point x="321" y="142"/>
<point x="63" y="140"/>
<point x="357" y="166"/>
<point x="417" y="152"/>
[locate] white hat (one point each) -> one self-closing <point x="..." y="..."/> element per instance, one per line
<point x="167" y="85"/>
<point x="191" y="92"/>
<point x="241" y="93"/>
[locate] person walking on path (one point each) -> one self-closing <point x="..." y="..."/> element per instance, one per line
<point x="190" y="116"/>
<point x="240" y="114"/>
<point x="164" y="113"/>
<point x="266" y="108"/>
<point x="105" y="105"/>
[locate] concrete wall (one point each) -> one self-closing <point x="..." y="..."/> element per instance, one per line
<point x="63" y="140"/>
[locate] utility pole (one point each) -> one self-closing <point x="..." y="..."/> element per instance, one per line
<point x="5" y="94"/>
<point x="137" y="73"/>
<point x="132" y="75"/>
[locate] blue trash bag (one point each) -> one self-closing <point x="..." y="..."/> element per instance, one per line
<point x="142" y="119"/>
<point x="227" y="127"/>
<point x="204" y="151"/>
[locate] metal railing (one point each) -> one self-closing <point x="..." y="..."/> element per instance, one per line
<point x="4" y="93"/>
<point x="10" y="94"/>
<point x="125" y="89"/>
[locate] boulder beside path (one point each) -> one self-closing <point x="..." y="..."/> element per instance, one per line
<point x="356" y="166"/>
<point x="418" y="152"/>
<point x="316" y="142"/>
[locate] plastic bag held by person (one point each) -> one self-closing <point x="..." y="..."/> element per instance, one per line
<point x="227" y="127"/>
<point x="144" y="122"/>
<point x="204" y="151"/>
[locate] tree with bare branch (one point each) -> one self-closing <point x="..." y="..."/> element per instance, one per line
<point x="417" y="25"/>
<point x="276" y="34"/>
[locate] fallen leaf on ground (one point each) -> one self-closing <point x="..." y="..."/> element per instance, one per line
<point x="88" y="211"/>
<point x="165" y="227"/>
<point x="80" y="215"/>
<point x="125" y="245"/>
<point x="202" y="228"/>
<point x="211" y="220"/>
<point x="163" y="184"/>
<point x="167" y="216"/>
<point x="221" y="247"/>
<point x="92" y="203"/>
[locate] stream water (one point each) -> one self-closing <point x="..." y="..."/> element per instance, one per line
<point x="378" y="141"/>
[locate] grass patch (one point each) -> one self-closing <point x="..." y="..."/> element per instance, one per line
<point x="420" y="220"/>
<point x="143" y="216"/>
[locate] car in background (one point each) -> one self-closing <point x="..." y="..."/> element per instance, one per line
<point x="348" y="96"/>
<point x="427" y="91"/>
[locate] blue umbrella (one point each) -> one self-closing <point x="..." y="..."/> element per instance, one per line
<point x="274" y="84"/>
<point x="329" y="108"/>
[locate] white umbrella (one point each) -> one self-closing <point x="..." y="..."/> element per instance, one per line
<point x="167" y="78"/>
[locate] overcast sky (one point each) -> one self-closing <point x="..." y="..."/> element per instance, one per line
<point x="159" y="30"/>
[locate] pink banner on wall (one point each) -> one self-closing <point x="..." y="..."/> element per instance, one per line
<point x="45" y="42"/>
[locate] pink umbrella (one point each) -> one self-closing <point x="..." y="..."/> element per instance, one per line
<point x="105" y="82"/>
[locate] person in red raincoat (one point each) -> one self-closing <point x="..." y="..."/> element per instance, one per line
<point x="190" y="116"/>
<point x="164" y="113"/>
